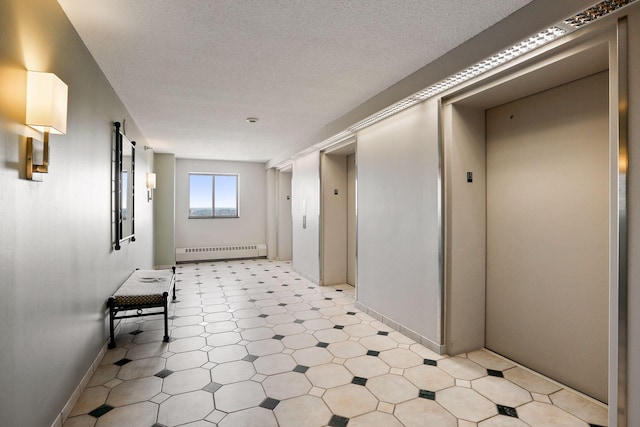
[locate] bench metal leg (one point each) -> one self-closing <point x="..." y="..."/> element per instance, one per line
<point x="112" y="338"/>
<point x="166" y="317"/>
<point x="174" y="282"/>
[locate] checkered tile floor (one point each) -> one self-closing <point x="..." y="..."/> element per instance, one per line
<point x="254" y="344"/>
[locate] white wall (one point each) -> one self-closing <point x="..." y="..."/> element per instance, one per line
<point x="398" y="233"/>
<point x="57" y="266"/>
<point x="285" y="226"/>
<point x="250" y="228"/>
<point x="164" y="199"/>
<point x="305" y="189"/>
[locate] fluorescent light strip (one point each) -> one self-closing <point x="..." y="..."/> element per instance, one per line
<point x="574" y="22"/>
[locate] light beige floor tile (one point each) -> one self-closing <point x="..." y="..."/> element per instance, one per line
<point x="257" y="334"/>
<point x="530" y="381"/>
<point x="134" y="391"/>
<point x="201" y="423"/>
<point x="113" y="355"/>
<point x="288" y="329"/>
<point x="103" y="374"/>
<point x="347" y="349"/>
<point x="185" y="408"/>
<point x="428" y="377"/>
<point x="278" y="319"/>
<point x="186" y="331"/>
<point x="463" y="383"/>
<point x="462" y="368"/>
<point x="466" y="403"/>
<point x="502" y="421"/>
<point x="329" y="375"/>
<point x="489" y="360"/>
<point x="232" y="372"/>
<point x="501" y="391"/>
<point x="360" y="330"/>
<point x="401" y="358"/>
<point x="378" y="343"/>
<point x="539" y="414"/>
<point x="225" y="326"/>
<point x="227" y="353"/>
<point x="425" y="353"/>
<point x="366" y="366"/>
<point x="331" y="335"/>
<point x="350" y="400"/>
<point x="420" y="412"/>
<point x="312" y="356"/>
<point x="345" y="319"/>
<point x="375" y="419"/>
<point x="540" y="397"/>
<point x="223" y="338"/>
<point x="265" y="347"/>
<point x="286" y="385"/>
<point x="143" y="351"/>
<point x="142" y="368"/>
<point x="318" y="324"/>
<point x="307" y="315"/>
<point x="188" y="380"/>
<point x="238" y="396"/>
<point x="159" y="398"/>
<point x="141" y="414"/>
<point x="80" y="421"/>
<point x="187" y="344"/>
<point x="187" y="360"/>
<point x="274" y="364"/>
<point x="90" y="399"/>
<point x="253" y="417"/>
<point x="299" y="341"/>
<point x="465" y="423"/>
<point x="392" y="388"/>
<point x="113" y="383"/>
<point x="581" y="407"/>
<point x="303" y="411"/>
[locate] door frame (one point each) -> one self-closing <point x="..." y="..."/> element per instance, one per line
<point x="612" y="31"/>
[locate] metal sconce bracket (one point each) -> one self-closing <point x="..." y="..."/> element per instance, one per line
<point x="37" y="167"/>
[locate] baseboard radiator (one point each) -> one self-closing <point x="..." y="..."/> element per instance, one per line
<point x="220" y="252"/>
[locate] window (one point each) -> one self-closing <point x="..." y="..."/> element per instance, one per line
<point x="213" y="195"/>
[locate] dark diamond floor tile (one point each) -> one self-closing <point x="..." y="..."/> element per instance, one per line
<point x="253" y="300"/>
<point x="384" y="333"/>
<point x="595" y="425"/>
<point x="373" y="353"/>
<point x="269" y="403"/>
<point x="298" y="321"/>
<point x="269" y="292"/>
<point x="122" y="362"/>
<point x="351" y="313"/>
<point x="100" y="411"/>
<point x="338" y="421"/>
<point x="263" y="315"/>
<point x="164" y="373"/>
<point x="322" y="344"/>
<point x="339" y="290"/>
<point x="135" y="332"/>
<point x="277" y="337"/>
<point x="250" y="358"/>
<point x="430" y="362"/>
<point x="338" y="327"/>
<point x="359" y="381"/>
<point x="301" y="369"/>
<point x="212" y="387"/>
<point x="282" y="304"/>
<point x="508" y="411"/>
<point x="328" y="299"/>
<point x="426" y="394"/>
<point x="495" y="373"/>
<point x="315" y="309"/>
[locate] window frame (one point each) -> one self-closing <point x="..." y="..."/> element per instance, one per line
<point x="213" y="215"/>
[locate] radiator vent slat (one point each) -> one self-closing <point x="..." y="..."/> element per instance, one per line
<point x="221" y="252"/>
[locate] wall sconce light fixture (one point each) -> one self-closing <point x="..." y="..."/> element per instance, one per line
<point x="151" y="185"/>
<point x="47" y="97"/>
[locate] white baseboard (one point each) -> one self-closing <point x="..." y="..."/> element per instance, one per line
<point x="435" y="347"/>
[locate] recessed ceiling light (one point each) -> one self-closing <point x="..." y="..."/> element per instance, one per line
<point x="251" y="119"/>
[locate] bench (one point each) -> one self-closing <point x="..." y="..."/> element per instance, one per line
<point x="144" y="289"/>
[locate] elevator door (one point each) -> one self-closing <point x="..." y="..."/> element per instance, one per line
<point x="547" y="233"/>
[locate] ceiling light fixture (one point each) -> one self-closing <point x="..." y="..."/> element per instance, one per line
<point x="251" y="119"/>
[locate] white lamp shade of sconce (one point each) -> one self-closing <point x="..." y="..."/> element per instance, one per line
<point x="151" y="180"/>
<point x="46" y="103"/>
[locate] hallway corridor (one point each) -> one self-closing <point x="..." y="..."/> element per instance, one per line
<point x="254" y="344"/>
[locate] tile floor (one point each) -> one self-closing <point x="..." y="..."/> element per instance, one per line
<point x="254" y="344"/>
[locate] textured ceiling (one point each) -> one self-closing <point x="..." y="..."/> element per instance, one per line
<point x="191" y="71"/>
